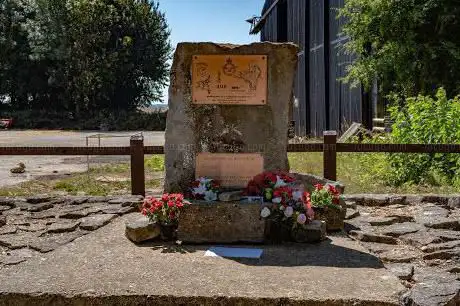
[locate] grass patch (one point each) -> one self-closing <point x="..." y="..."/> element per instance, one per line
<point x="360" y="172"/>
<point x="363" y="173"/>
<point x="98" y="181"/>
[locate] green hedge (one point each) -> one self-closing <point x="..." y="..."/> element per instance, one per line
<point x="123" y="121"/>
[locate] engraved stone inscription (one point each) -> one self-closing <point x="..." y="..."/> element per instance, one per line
<point x="232" y="170"/>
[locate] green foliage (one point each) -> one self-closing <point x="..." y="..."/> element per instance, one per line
<point x="426" y="120"/>
<point x="82" y="56"/>
<point x="409" y="46"/>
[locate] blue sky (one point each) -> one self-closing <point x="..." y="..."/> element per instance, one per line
<point x="210" y="20"/>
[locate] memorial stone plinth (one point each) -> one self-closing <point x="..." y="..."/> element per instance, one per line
<point x="228" y="99"/>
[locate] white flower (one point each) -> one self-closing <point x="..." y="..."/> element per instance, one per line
<point x="201" y="189"/>
<point x="288" y="212"/>
<point x="282" y="208"/>
<point x="279" y="182"/>
<point x="265" y="212"/>
<point x="297" y="195"/>
<point x="276" y="200"/>
<point x="210" y="196"/>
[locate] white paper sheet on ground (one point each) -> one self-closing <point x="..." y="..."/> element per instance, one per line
<point x="233" y="252"/>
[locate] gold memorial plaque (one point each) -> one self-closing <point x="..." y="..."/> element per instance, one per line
<point x="229" y="79"/>
<point x="230" y="169"/>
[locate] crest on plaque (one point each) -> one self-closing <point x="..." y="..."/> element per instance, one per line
<point x="229" y="79"/>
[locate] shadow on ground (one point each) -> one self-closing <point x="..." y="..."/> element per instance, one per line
<point x="324" y="254"/>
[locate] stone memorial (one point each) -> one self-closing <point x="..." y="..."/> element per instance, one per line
<point x="228" y="120"/>
<point x="228" y="99"/>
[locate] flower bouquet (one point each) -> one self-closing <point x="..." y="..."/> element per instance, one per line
<point x="204" y="188"/>
<point x="326" y="201"/>
<point x="164" y="211"/>
<point x="286" y="205"/>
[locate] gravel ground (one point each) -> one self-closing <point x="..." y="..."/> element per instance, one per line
<point x="48" y="165"/>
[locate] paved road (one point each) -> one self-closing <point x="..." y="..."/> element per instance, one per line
<point x="46" y="165"/>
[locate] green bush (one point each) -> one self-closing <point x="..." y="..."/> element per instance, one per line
<point x="426" y="120"/>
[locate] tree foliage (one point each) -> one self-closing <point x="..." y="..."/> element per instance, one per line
<point x="409" y="46"/>
<point x="82" y="56"/>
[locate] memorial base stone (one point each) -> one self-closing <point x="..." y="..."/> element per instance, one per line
<point x="221" y="222"/>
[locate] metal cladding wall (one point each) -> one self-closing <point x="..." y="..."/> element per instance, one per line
<point x="324" y="101"/>
<point x="317" y="69"/>
<point x="345" y="102"/>
<point x="269" y="31"/>
<point x="296" y="32"/>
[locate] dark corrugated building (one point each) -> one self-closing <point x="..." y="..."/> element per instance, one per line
<point x="323" y="102"/>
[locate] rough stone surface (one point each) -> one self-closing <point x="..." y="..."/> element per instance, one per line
<point x="380" y="221"/>
<point x="454" y="202"/>
<point x="39" y="199"/>
<point x="8" y="229"/>
<point x="51" y="242"/>
<point x="2" y="220"/>
<point x="430" y="212"/>
<point x="440" y="246"/>
<point x="141" y="229"/>
<point x="313" y="232"/>
<point x="421" y="238"/>
<point x="61" y="227"/>
<point x="107" y="269"/>
<point x="6" y="201"/>
<point x="33" y="227"/>
<point x="230" y="196"/>
<point x="17" y="256"/>
<point x="433" y="292"/>
<point x="427" y="238"/>
<point x="400" y="254"/>
<point x="40" y="207"/>
<point x="36" y="225"/>
<point x="444" y="223"/>
<point x="191" y="129"/>
<point x="351" y="214"/>
<point x="227" y="222"/>
<point x="403" y="271"/>
<point x="119" y="210"/>
<point x="125" y="201"/>
<point x="372" y="237"/>
<point x="4" y="207"/>
<point x="443" y="254"/>
<point x="92" y="223"/>
<point x="399" y="229"/>
<point x="373" y="200"/>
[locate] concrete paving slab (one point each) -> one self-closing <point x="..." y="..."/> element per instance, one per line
<point x="105" y="268"/>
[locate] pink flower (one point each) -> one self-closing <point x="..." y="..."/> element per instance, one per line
<point x="301" y="219"/>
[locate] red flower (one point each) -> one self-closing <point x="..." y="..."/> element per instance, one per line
<point x="333" y="190"/>
<point x="319" y="187"/>
<point x="144" y="212"/>
<point x="164" y="198"/>
<point x="171" y="204"/>
<point x="336" y="200"/>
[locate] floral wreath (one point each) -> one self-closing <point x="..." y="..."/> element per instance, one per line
<point x="205" y="188"/>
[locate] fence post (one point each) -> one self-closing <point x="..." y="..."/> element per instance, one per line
<point x="330" y="155"/>
<point x="137" y="165"/>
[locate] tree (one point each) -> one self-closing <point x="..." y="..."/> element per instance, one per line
<point x="409" y="46"/>
<point x="87" y="56"/>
